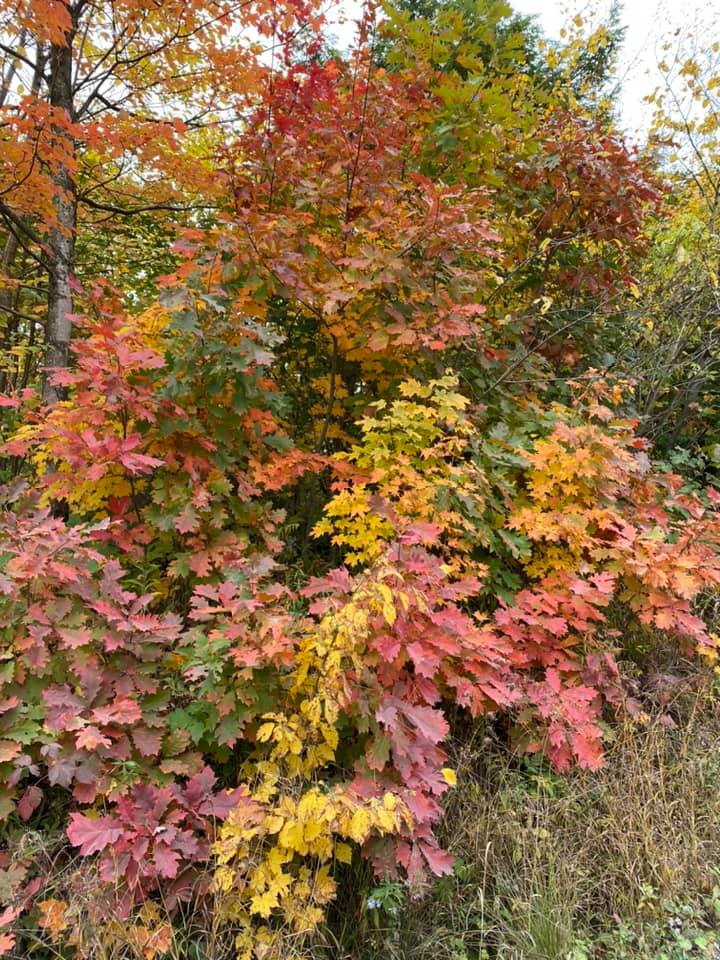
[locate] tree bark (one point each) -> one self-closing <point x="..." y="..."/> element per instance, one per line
<point x="8" y="299"/>
<point x="61" y="238"/>
<point x="6" y="269"/>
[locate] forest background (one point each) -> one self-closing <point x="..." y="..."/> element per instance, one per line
<point x="360" y="544"/>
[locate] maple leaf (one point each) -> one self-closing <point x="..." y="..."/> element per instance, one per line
<point x="7" y="943"/>
<point x="8" y="750"/>
<point x="29" y="802"/>
<point x="421" y="533"/>
<point x="223" y="803"/>
<point x="89" y="738"/>
<point x="74" y="638"/>
<point x="388" y="645"/>
<point x="93" y="835"/>
<point x="664" y="619"/>
<point x="147" y="741"/>
<point x="8" y="915"/>
<point x="166" y="859"/>
<point x="440" y="861"/>
<point x="187" y="520"/>
<point x="122" y="710"/>
<point x="588" y="751"/>
<point x="428" y="721"/>
<point x="377" y="753"/>
<point x="53" y="917"/>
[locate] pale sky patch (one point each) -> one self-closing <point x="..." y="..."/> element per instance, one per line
<point x="648" y="23"/>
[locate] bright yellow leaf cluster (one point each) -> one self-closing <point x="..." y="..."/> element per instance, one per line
<point x="576" y="475"/>
<point x="275" y="852"/>
<point x="414" y="468"/>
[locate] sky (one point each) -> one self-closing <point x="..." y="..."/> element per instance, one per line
<point x="647" y="22"/>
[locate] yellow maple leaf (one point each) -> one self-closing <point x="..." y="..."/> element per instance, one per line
<point x="53" y="917"/>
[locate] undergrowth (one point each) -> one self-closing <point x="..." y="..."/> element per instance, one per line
<point x="618" y="864"/>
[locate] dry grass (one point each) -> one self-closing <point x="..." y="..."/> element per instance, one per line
<point x="545" y="860"/>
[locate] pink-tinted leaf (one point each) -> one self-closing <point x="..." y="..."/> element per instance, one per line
<point x="8" y="915"/>
<point x="187" y="520"/>
<point x="8" y="750"/>
<point x="7" y="943"/>
<point x="147" y="741"/>
<point x="222" y="804"/>
<point x="71" y="639"/>
<point x="90" y="738"/>
<point x="93" y="835"/>
<point x="439" y="861"/>
<point x="122" y="710"/>
<point x="29" y="802"/>
<point x="166" y="860"/>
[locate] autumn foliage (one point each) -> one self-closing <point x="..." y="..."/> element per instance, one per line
<point x="286" y="520"/>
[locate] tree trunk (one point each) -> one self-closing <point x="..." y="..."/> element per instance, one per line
<point x="61" y="238"/>
<point x="7" y="294"/>
<point x="8" y="299"/>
